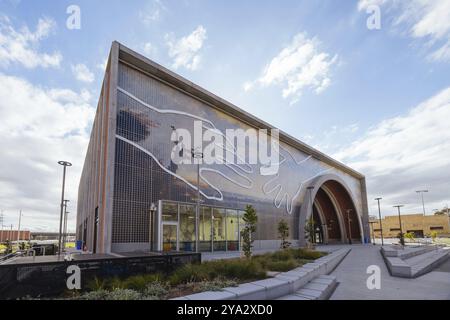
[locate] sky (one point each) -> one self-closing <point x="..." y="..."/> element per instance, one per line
<point x="372" y="93"/>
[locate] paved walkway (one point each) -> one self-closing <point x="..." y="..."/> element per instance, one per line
<point x="351" y="275"/>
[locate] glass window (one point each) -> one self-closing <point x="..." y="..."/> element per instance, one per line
<point x="205" y="229"/>
<point x="187" y="228"/>
<point x="169" y="212"/>
<point x="169" y="237"/>
<point x="219" y="230"/>
<point x="232" y="230"/>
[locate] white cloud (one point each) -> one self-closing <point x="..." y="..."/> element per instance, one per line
<point x="186" y="51"/>
<point x="423" y="19"/>
<point x="407" y="152"/>
<point x="149" y="49"/>
<point x="297" y="67"/>
<point x="39" y="127"/>
<point x="21" y="46"/>
<point x="152" y="12"/>
<point x="82" y="73"/>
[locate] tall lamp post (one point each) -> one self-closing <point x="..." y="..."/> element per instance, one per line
<point x="373" y="232"/>
<point x="379" y="216"/>
<point x="64" y="237"/>
<point x="402" y="241"/>
<point x="349" y="226"/>
<point x="153" y="209"/>
<point x="311" y="218"/>
<point x="197" y="156"/>
<point x="65" y="164"/>
<point x="421" y="192"/>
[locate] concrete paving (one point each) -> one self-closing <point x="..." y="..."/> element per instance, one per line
<point x="352" y="277"/>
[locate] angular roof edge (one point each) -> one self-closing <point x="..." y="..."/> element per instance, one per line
<point x="169" y="77"/>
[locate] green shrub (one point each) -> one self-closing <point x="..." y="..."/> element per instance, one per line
<point x="188" y="273"/>
<point x="307" y="254"/>
<point x="140" y="282"/>
<point x="99" y="294"/>
<point x="282" y="266"/>
<point x="96" y="284"/>
<point x="233" y="269"/>
<point x="216" y="284"/>
<point x="156" y="290"/>
<point x="124" y="294"/>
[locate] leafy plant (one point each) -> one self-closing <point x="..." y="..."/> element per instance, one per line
<point x="283" y="234"/>
<point x="123" y="294"/>
<point x="309" y="231"/>
<point x="156" y="290"/>
<point x="434" y="235"/>
<point x="250" y="219"/>
<point x="410" y="236"/>
<point x="216" y="284"/>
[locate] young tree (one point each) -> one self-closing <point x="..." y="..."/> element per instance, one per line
<point x="410" y="236"/>
<point x="433" y="235"/>
<point x="250" y="218"/>
<point x="283" y="234"/>
<point x="309" y="231"/>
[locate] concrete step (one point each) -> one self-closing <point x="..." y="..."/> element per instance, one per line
<point x="428" y="263"/>
<point x="420" y="257"/>
<point x="320" y="288"/>
<point x="417" y="265"/>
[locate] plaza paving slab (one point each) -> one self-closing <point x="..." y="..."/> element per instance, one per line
<point x="351" y="276"/>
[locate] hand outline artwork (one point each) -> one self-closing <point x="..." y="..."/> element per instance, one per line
<point x="237" y="171"/>
<point x="285" y="193"/>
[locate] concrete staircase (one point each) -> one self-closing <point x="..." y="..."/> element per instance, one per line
<point x="320" y="288"/>
<point x="414" y="263"/>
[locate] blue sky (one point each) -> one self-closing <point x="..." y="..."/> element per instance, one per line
<point x="375" y="99"/>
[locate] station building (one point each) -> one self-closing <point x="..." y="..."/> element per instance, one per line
<point x="132" y="196"/>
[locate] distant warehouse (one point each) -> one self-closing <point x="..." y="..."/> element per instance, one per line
<point x="134" y="196"/>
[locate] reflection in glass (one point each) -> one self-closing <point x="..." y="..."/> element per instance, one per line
<point x="187" y="228"/>
<point x="169" y="212"/>
<point x="169" y="237"/>
<point x="219" y="229"/>
<point x="232" y="230"/>
<point x="204" y="229"/>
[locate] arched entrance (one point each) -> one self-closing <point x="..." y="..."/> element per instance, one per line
<point x="335" y="218"/>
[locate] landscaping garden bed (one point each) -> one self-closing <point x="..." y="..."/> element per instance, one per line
<point x="193" y="278"/>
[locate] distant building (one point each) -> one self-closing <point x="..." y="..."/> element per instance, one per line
<point x="11" y="235"/>
<point x="418" y="223"/>
<point x="49" y="236"/>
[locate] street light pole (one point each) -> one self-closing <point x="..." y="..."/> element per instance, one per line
<point x="423" y="203"/>
<point x="379" y="215"/>
<point x="373" y="232"/>
<point x="197" y="155"/>
<point x="152" y="213"/>
<point x="65" y="164"/>
<point x="18" y="230"/>
<point x="349" y="226"/>
<point x="311" y="218"/>
<point x="65" y="224"/>
<point x="402" y="241"/>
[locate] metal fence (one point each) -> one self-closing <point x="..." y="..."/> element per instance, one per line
<point x="48" y="279"/>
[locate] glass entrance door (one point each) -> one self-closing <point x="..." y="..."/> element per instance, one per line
<point x="169" y="237"/>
